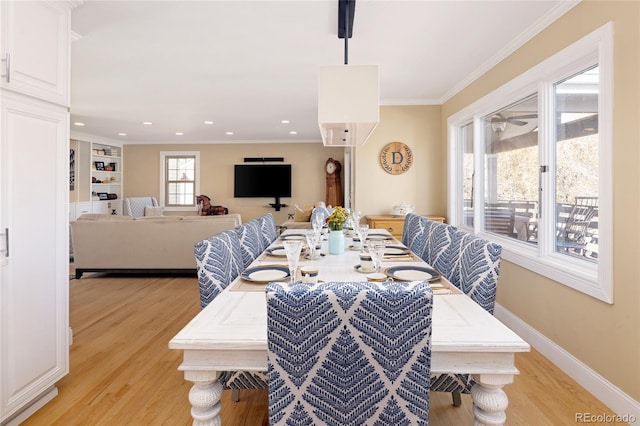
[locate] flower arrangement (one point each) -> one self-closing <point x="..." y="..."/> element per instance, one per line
<point x="337" y="218"/>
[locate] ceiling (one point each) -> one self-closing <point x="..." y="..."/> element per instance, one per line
<point x="248" y="65"/>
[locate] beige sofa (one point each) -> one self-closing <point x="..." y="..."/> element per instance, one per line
<point x="143" y="244"/>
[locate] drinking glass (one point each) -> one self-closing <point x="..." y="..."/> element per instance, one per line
<point x="363" y="231"/>
<point x="312" y="241"/>
<point x="376" y="250"/>
<point x="293" y="248"/>
<point x="317" y="223"/>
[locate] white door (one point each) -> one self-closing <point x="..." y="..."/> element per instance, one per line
<point x="35" y="48"/>
<point x="34" y="278"/>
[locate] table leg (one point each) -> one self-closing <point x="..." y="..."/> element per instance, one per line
<point x="204" y="397"/>
<point x="489" y="400"/>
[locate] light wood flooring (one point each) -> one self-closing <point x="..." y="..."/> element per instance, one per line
<point x="122" y="372"/>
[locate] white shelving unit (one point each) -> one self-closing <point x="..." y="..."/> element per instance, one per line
<point x="106" y="178"/>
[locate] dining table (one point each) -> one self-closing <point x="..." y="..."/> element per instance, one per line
<point x="231" y="332"/>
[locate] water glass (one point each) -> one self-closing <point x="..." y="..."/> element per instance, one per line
<point x="293" y="249"/>
<point x="363" y="231"/>
<point x="376" y="250"/>
<point x="317" y="223"/>
<point x="312" y="241"/>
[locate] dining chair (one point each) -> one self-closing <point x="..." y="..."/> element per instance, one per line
<point x="219" y="261"/>
<point x="349" y="353"/>
<point x="415" y="232"/>
<point x="438" y="246"/>
<point x="268" y="230"/>
<point x="474" y="269"/>
<point x="250" y="238"/>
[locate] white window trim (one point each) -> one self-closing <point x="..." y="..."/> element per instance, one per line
<point x="591" y="279"/>
<point x="163" y="156"/>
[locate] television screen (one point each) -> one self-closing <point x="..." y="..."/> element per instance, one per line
<point x="262" y="180"/>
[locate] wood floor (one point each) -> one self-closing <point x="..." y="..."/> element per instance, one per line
<point x="122" y="372"/>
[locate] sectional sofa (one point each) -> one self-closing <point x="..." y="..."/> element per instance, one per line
<point x="107" y="243"/>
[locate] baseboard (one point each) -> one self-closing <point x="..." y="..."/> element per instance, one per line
<point x="610" y="395"/>
<point x="32" y="407"/>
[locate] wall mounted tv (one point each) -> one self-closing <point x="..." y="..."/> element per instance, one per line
<point x="262" y="180"/>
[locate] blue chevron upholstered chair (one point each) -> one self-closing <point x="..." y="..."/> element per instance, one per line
<point x="474" y="269"/>
<point x="438" y="246"/>
<point x="250" y="238"/>
<point x="414" y="232"/>
<point x="268" y="230"/>
<point x="349" y="353"/>
<point x="219" y="262"/>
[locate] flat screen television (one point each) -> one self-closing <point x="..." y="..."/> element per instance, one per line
<point x="262" y="180"/>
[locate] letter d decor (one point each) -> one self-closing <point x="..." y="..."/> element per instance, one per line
<point x="396" y="158"/>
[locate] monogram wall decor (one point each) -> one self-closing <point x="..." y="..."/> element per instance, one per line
<point x="396" y="158"/>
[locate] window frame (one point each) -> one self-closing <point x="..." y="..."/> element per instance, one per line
<point x="595" y="280"/>
<point x="163" y="177"/>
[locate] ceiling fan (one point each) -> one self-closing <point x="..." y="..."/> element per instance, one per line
<point x="515" y="120"/>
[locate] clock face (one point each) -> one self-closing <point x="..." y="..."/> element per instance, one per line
<point x="331" y="167"/>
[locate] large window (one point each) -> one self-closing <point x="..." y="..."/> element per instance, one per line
<point x="180" y="181"/>
<point x="531" y="167"/>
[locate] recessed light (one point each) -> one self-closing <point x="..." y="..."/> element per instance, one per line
<point x="179" y="133"/>
<point x="208" y="122"/>
<point x="293" y="132"/>
<point x="285" y="121"/>
<point x="147" y="123"/>
<point x="228" y="133"/>
<point x="77" y="123"/>
<point x="122" y="134"/>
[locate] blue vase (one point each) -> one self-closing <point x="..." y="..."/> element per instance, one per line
<point x="336" y="242"/>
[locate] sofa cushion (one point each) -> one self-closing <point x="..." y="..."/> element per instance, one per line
<point x="153" y="210"/>
<point x="302" y="214"/>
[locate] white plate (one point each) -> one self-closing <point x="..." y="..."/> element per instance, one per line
<point x="412" y="273"/>
<point x="266" y="273"/>
<point x="291" y="237"/>
<point x="359" y="269"/>
<point x="277" y="251"/>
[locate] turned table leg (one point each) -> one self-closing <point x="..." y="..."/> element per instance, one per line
<point x="204" y="397"/>
<point x="489" y="400"/>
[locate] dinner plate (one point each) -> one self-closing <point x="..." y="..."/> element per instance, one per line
<point x="378" y="237"/>
<point x="412" y="273"/>
<point x="290" y="237"/>
<point x="395" y="250"/>
<point x="277" y="251"/>
<point x="266" y="273"/>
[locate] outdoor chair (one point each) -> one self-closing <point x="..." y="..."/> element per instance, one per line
<point x="349" y="353"/>
<point x="571" y="235"/>
<point x="219" y="262"/>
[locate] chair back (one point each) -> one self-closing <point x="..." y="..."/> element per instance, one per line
<point x="438" y="246"/>
<point x="268" y="230"/>
<point x="414" y="232"/>
<point x="134" y="206"/>
<point x="475" y="266"/>
<point x="349" y="353"/>
<point x="219" y="262"/>
<point x="250" y="239"/>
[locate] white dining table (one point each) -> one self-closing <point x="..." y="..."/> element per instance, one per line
<point x="231" y="334"/>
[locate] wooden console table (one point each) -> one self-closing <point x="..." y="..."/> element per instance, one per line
<point x="394" y="224"/>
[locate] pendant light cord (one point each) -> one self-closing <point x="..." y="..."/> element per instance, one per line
<point x="346" y="32"/>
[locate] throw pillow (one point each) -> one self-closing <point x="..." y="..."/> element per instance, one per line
<point x="153" y="210"/>
<point x="303" y="214"/>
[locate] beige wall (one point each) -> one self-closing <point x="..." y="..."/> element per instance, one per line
<point x="423" y="185"/>
<point x="604" y="337"/>
<point x="142" y="170"/>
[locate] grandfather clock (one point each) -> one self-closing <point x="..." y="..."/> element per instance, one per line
<point x="332" y="169"/>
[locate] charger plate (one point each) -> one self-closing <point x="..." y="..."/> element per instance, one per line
<point x="265" y="273"/>
<point x="277" y="251"/>
<point x="412" y="273"/>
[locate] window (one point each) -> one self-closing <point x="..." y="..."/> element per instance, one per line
<point x="180" y="179"/>
<point x="531" y="167"/>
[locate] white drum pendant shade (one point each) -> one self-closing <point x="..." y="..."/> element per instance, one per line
<point x="348" y="103"/>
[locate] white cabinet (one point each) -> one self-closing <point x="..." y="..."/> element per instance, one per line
<point x="34" y="274"/>
<point x="34" y="39"/>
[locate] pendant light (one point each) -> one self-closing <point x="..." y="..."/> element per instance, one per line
<point x="348" y="95"/>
